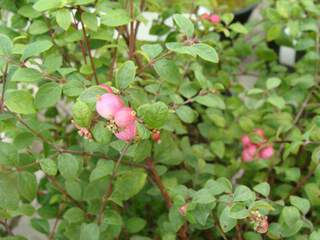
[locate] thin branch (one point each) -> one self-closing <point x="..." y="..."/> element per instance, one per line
<point x="109" y="190"/>
<point x="83" y="50"/>
<point x="6" y="227"/>
<point x="57" y="185"/>
<point x="183" y="231"/>
<point x="87" y="42"/>
<point x="55" y="225"/>
<point x="132" y="34"/>
<point x="4" y="83"/>
<point x="114" y="58"/>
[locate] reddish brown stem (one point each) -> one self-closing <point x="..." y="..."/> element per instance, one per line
<point x="87" y="42"/>
<point x="4" y="83"/>
<point x="132" y="34"/>
<point x="109" y="189"/>
<point x="183" y="231"/>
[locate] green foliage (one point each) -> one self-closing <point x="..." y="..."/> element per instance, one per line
<point x="184" y="172"/>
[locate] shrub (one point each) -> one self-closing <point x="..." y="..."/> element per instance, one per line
<point x="131" y="139"/>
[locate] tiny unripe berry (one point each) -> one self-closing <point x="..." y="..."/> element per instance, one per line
<point x="259" y="132"/>
<point x="108" y="104"/>
<point x="156" y="137"/>
<point x="124" y="117"/>
<point x="183" y="209"/>
<point x="245" y="140"/>
<point x="266" y="152"/>
<point x="263" y="226"/>
<point x="215" y="19"/>
<point x="205" y="16"/>
<point x="127" y="134"/>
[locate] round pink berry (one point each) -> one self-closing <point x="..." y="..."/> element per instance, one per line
<point x="259" y="132"/>
<point x="252" y="149"/>
<point x="246" y="156"/>
<point x="215" y="19"/>
<point x="128" y="133"/>
<point x="124" y="117"/>
<point x="108" y="104"/>
<point x="245" y="140"/>
<point x="266" y="152"/>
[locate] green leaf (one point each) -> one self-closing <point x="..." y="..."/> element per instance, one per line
<point x="135" y="224"/>
<point x="186" y="114"/>
<point x="90" y="21"/>
<point x="112" y="223"/>
<point x="277" y="101"/>
<point x="152" y="50"/>
<point x="181" y="48"/>
<point x="125" y="75"/>
<point x="41" y="225"/>
<point x="83" y="2"/>
<point x="168" y="71"/>
<point x="48" y="95"/>
<point x="301" y="203"/>
<point x="68" y="166"/>
<point x="5" y="45"/>
<point x="154" y="115"/>
<point x="26" y="75"/>
<point x="27" y="185"/>
<point x="218" y="148"/>
<point x="263" y="189"/>
<point x="38" y="27"/>
<point x="273" y="83"/>
<point x="36" y="48"/>
<point x="74" y="215"/>
<point x="74" y="189"/>
<point x="48" y="166"/>
<point x="211" y="100"/>
<point x="129" y="184"/>
<point x="44" y="5"/>
<point x="63" y="18"/>
<point x="53" y="62"/>
<point x="290" y="215"/>
<point x="185" y="25"/>
<point x="28" y="12"/>
<point x="103" y="169"/>
<point x="101" y="133"/>
<point x="239" y="211"/>
<point x="115" y="18"/>
<point x="20" y="101"/>
<point x="239" y="28"/>
<point x="242" y="194"/>
<point x="89" y="231"/>
<point x="82" y="114"/>
<point x="227" y="223"/>
<point x="9" y="197"/>
<point x="206" y="52"/>
<point x="203" y="196"/>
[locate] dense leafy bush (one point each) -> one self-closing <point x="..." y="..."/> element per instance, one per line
<point x="159" y="140"/>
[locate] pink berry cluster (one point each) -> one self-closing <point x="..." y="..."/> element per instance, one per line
<point x="252" y="150"/>
<point x="122" y="119"/>
<point x="214" y="19"/>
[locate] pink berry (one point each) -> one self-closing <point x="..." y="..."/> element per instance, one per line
<point x="127" y="134"/>
<point x="246" y="156"/>
<point x="252" y="149"/>
<point x="108" y="104"/>
<point x="106" y="87"/>
<point x="124" y="117"/>
<point x="266" y="152"/>
<point x="215" y="19"/>
<point x="245" y="140"/>
<point x="263" y="226"/>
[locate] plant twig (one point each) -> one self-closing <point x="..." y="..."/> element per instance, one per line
<point x="55" y="225"/>
<point x="6" y="227"/>
<point x="132" y="34"/>
<point x="114" y="59"/>
<point x="109" y="190"/>
<point x="183" y="231"/>
<point x="4" y="83"/>
<point x="86" y="40"/>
